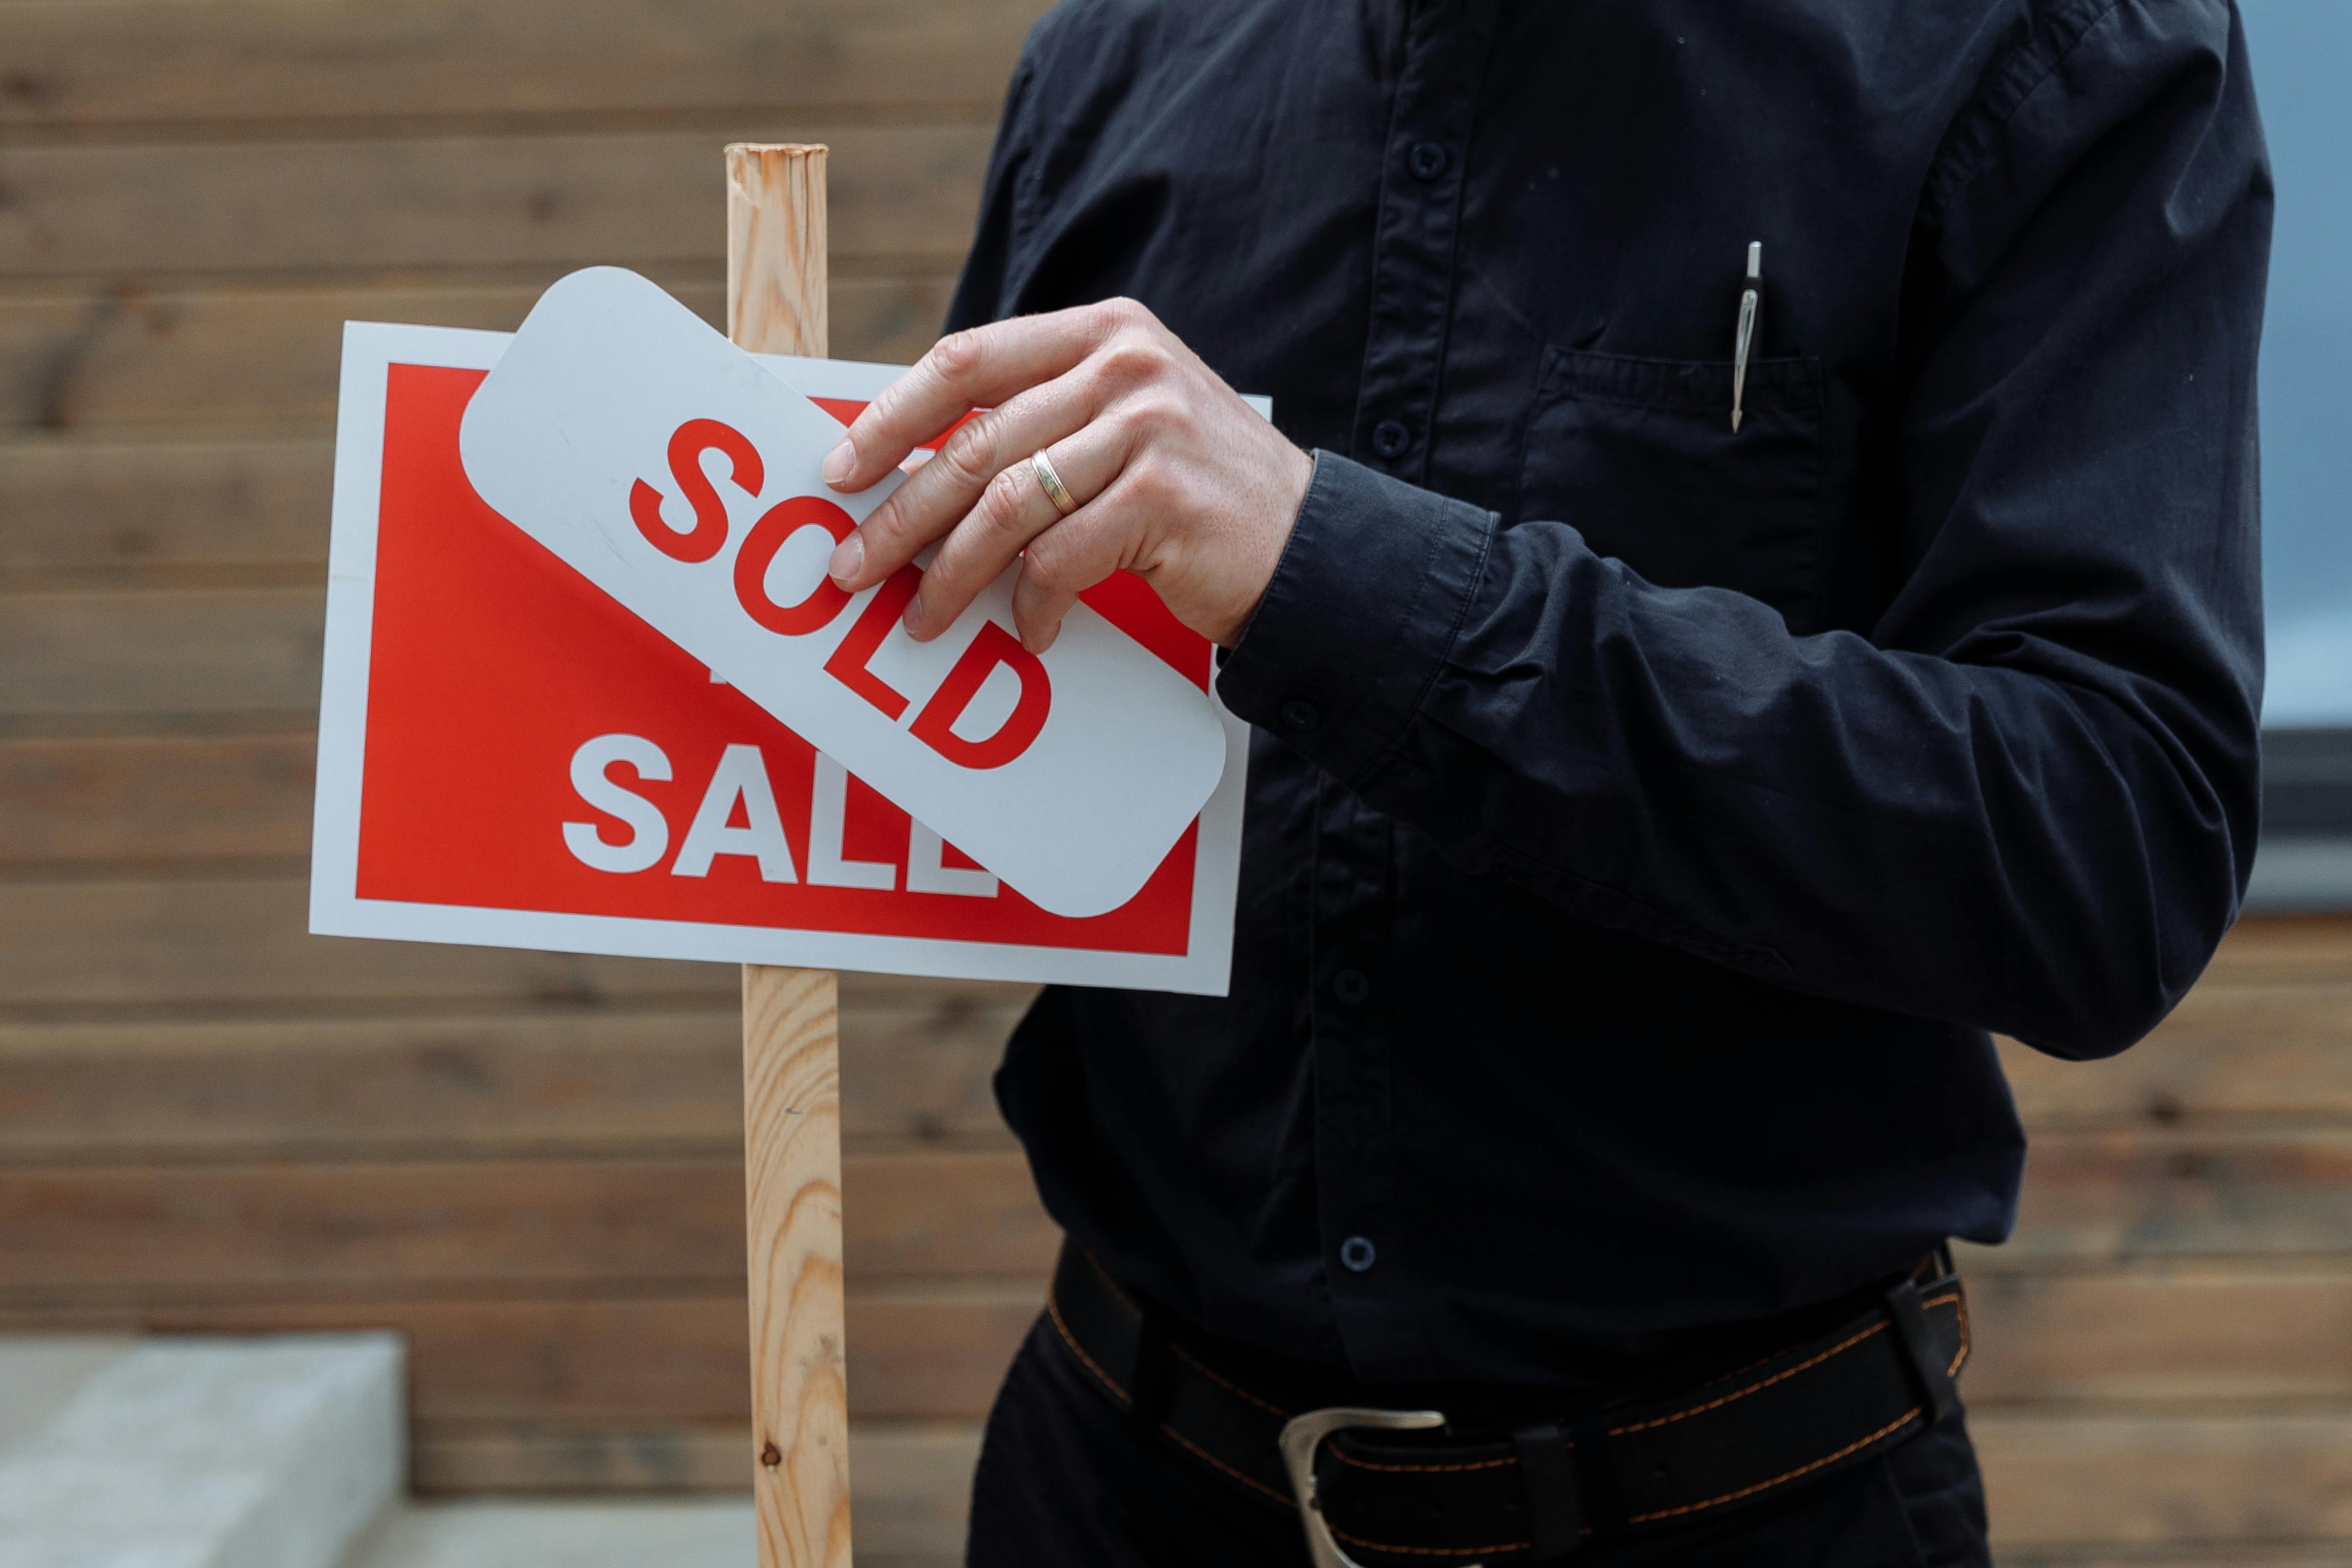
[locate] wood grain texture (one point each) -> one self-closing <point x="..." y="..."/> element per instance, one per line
<point x="99" y="1236"/>
<point x="915" y="1479"/>
<point x="111" y="356"/>
<point x="100" y="508"/>
<point x="2229" y="1050"/>
<point x="778" y="286"/>
<point x="484" y="1086"/>
<point x="247" y="64"/>
<point x="491" y="1085"/>
<point x="140" y="798"/>
<point x="924" y="1350"/>
<point x="2183" y="1332"/>
<point x="800" y="1398"/>
<point x="2108" y="1477"/>
<point x="2285" y="950"/>
<point x="904" y="194"/>
<point x="2115" y="1196"/>
<point x="240" y="941"/>
<point x="143" y="652"/>
<point x="89" y="1238"/>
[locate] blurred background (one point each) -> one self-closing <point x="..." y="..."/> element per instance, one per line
<point x="527" y="1165"/>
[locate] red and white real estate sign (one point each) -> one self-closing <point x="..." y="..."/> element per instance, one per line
<point x="513" y="754"/>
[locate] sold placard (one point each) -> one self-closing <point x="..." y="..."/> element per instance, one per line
<point x="520" y="745"/>
<point x="1070" y="775"/>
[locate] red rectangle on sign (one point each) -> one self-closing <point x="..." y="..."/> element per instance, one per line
<point x="528" y="748"/>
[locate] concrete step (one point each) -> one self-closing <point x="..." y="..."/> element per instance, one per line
<point x="270" y="1452"/>
<point x="585" y="1534"/>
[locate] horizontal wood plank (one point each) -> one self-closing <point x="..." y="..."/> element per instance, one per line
<point x="910" y="1497"/>
<point x="130" y="211"/>
<point x="94" y="1235"/>
<point x="78" y="508"/>
<point x="192" y="944"/>
<point x="139" y="652"/>
<point x="929" y="1353"/>
<point x="612" y="1083"/>
<point x="943" y="1213"/>
<point x="147" y="799"/>
<point x="109" y="355"/>
<point x="2285" y="949"/>
<point x="2115" y="1196"/>
<point x="2178" y="1333"/>
<point x="76" y="63"/>
<point x="472" y="1456"/>
<point x="2231" y="1049"/>
<point x="2097" y="1478"/>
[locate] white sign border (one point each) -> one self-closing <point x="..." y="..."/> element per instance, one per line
<point x="370" y="350"/>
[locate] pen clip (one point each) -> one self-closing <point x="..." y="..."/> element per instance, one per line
<point x="1747" y="338"/>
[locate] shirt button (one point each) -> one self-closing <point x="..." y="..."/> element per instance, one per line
<point x="1427" y="160"/>
<point x="1390" y="439"/>
<point x="1300" y="715"/>
<point x="1351" y="986"/>
<point x="1358" y="1253"/>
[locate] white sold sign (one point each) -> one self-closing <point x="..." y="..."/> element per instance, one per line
<point x="680" y="475"/>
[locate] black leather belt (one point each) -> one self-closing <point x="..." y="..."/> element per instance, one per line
<point x="1538" y="1491"/>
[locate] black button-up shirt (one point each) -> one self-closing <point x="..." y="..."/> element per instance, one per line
<point x="1648" y="820"/>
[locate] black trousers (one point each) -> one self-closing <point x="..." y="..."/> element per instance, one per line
<point x="1066" y="1481"/>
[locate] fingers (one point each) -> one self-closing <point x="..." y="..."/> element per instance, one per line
<point x="1013" y="514"/>
<point x="1098" y="539"/>
<point x="940" y="494"/>
<point x="971" y="369"/>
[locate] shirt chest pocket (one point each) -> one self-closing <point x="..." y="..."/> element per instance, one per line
<point x="1639" y="456"/>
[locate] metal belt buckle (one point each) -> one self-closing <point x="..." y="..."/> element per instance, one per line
<point x="1303" y="1435"/>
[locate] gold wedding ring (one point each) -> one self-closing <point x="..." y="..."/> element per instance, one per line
<point x="1050" y="482"/>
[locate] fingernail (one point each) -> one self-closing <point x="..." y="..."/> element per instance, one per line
<point x="847" y="557"/>
<point x="840" y="462"/>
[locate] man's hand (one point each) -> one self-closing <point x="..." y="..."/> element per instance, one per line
<point x="1174" y="477"/>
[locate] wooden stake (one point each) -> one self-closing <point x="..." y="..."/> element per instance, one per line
<point x="791" y="1048"/>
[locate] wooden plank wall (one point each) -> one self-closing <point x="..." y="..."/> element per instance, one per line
<point x="529" y="1163"/>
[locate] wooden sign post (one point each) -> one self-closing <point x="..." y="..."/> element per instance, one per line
<point x="776" y="288"/>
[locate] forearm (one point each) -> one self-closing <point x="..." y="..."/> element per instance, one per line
<point x="1892" y="828"/>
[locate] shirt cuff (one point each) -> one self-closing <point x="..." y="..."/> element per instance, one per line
<point x="1360" y="615"/>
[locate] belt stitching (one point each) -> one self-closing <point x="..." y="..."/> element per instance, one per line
<point x="1760" y="1383"/>
<point x="1053" y="1310"/>
<point x="1115" y="1287"/>
<point x="1830" y="1458"/>
<point x="1236" y="1390"/>
<point x="1743" y="1369"/>
<point x="1903" y="1420"/>
<point x="1431" y="1550"/>
<point x="1464" y="1465"/>
<point x="1953" y="1297"/>
<point x="1286" y="1501"/>
<point x="1959" y="1300"/>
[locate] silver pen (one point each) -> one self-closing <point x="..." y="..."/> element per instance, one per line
<point x="1746" y="330"/>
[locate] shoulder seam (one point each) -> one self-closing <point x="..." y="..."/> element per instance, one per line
<point x="2013" y="84"/>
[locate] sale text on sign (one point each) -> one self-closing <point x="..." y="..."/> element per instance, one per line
<point x="582" y="658"/>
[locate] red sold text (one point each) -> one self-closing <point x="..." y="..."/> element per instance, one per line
<point x="934" y="723"/>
